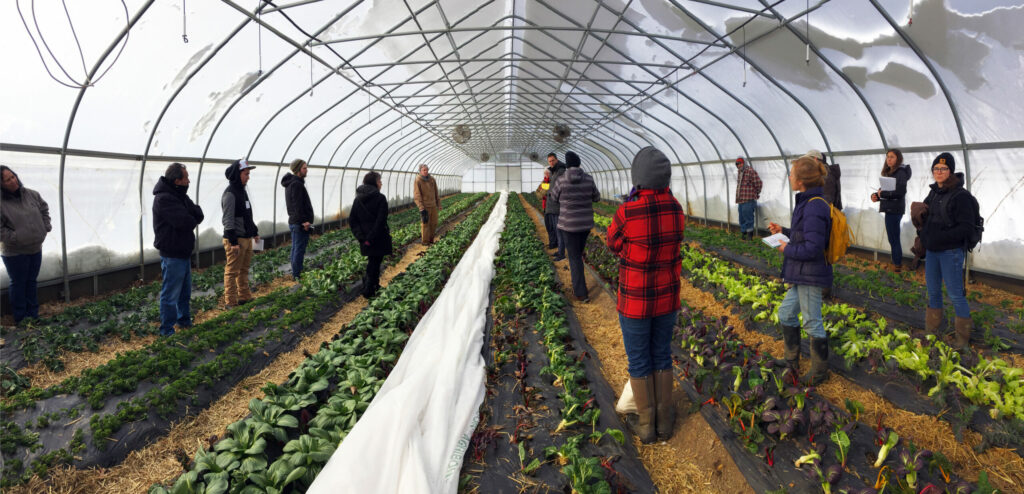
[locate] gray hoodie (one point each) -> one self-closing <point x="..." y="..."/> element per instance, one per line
<point x="26" y="220"/>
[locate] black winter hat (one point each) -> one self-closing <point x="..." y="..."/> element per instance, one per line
<point x="946" y="159"/>
<point x="571" y="159"/>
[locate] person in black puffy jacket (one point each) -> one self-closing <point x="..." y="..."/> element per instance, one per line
<point x="944" y="236"/>
<point x="175" y="217"/>
<point x="893" y="203"/>
<point x="368" y="220"/>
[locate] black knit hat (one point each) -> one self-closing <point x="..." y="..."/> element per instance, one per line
<point x="571" y="159"/>
<point x="946" y="159"/>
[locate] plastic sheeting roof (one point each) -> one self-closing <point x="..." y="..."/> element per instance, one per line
<point x="365" y="84"/>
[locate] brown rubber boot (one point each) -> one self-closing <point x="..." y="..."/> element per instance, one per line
<point x="643" y="395"/>
<point x="791" y="339"/>
<point x="665" y="409"/>
<point x="933" y="320"/>
<point x="964" y="326"/>
<point x="819" y="363"/>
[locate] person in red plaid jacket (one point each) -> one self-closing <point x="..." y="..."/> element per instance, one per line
<point x="748" y="190"/>
<point x="646" y="233"/>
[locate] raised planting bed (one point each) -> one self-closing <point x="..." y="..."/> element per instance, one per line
<point x="917" y="372"/>
<point x="295" y="428"/>
<point x="150" y="388"/>
<point x="541" y="423"/>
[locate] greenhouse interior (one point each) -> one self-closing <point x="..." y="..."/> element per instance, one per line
<point x="506" y="246"/>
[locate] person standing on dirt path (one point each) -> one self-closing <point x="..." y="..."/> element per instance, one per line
<point x="646" y="233"/>
<point x="240" y="234"/>
<point x="368" y="220"/>
<point x="300" y="212"/>
<point x="748" y="190"/>
<point x="26" y="221"/>
<point x="576" y="193"/>
<point x="552" y="209"/>
<point x="428" y="201"/>
<point x="542" y="192"/>
<point x="805" y="269"/>
<point x="175" y="217"/>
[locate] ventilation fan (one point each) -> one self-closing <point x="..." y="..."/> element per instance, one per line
<point x="485" y="157"/>
<point x="461" y="134"/>
<point x="561" y="133"/>
<point x="534" y="156"/>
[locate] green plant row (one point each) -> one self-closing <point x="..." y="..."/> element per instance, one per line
<point x="295" y="429"/>
<point x="990" y="382"/>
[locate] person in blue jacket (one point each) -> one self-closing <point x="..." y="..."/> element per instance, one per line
<point x="805" y="268"/>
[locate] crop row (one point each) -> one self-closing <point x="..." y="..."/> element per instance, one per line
<point x="295" y="428"/>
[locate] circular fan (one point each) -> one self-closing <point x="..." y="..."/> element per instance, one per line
<point x="534" y="156"/>
<point x="461" y="134"/>
<point x="485" y="157"/>
<point x="561" y="132"/>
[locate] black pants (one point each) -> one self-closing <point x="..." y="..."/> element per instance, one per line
<point x="551" y="225"/>
<point x="574" y="243"/>
<point x="371" y="282"/>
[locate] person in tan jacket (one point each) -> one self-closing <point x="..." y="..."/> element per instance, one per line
<point x="428" y="201"/>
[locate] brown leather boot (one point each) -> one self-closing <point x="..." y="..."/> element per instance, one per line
<point x="964" y="326"/>
<point x="665" y="410"/>
<point x="933" y="320"/>
<point x="643" y="395"/>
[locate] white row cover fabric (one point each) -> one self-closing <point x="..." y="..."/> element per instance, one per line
<point x="414" y="434"/>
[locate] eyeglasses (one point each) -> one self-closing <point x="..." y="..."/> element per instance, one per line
<point x="940" y="169"/>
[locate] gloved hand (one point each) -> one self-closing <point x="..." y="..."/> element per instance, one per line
<point x="424" y="216"/>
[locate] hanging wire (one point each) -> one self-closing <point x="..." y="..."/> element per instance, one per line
<point x="310" y="69"/>
<point x="910" y="14"/>
<point x="259" y="36"/>
<point x="184" y="22"/>
<point x="807" y="34"/>
<point x="744" y="56"/>
<point x="81" y="54"/>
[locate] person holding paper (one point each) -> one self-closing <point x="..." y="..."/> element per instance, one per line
<point x="805" y="269"/>
<point x="240" y="233"/>
<point x="893" y="203"/>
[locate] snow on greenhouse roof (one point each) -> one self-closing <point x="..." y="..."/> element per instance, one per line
<point x="366" y="84"/>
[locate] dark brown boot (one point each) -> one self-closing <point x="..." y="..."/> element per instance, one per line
<point x="964" y="326"/>
<point x="791" y="339"/>
<point x="819" y="363"/>
<point x="643" y="395"/>
<point x="933" y="320"/>
<point x="665" y="409"/>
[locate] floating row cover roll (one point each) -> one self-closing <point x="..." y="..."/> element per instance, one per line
<point x="461" y="134"/>
<point x="561" y="132"/>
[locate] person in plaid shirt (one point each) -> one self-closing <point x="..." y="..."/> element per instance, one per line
<point x="748" y="190"/>
<point x="646" y="233"/>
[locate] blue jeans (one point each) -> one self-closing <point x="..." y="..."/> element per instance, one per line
<point x="23" y="270"/>
<point x="175" y="294"/>
<point x="806" y="300"/>
<point x="892" y="230"/>
<point x="946" y="266"/>
<point x="747" y="215"/>
<point x="300" y="238"/>
<point x="647" y="343"/>
<point x="559" y="236"/>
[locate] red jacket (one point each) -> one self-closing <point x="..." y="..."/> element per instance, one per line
<point x="646" y="233"/>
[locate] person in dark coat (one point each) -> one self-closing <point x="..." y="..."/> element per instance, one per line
<point x="804" y="267"/>
<point x="175" y="217"/>
<point x="832" y="190"/>
<point x="240" y="233"/>
<point x="26" y="221"/>
<point x="552" y="209"/>
<point x="944" y="236"/>
<point x="576" y="193"/>
<point x="300" y="212"/>
<point x="368" y="220"/>
<point x="893" y="203"/>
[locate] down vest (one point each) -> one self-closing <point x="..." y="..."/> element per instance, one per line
<point x="803" y="260"/>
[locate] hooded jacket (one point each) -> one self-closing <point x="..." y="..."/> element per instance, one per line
<point x="803" y="260"/>
<point x="895" y="201"/>
<point x="25" y="221"/>
<point x="368" y="220"/>
<point x="557" y="171"/>
<point x="296" y="199"/>
<point x="945" y="203"/>
<point x="237" y="217"/>
<point x="175" y="217"/>
<point x="833" y="189"/>
<point x="575" y="192"/>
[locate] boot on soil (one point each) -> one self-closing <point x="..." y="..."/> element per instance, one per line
<point x="791" y="339"/>
<point x="819" y="363"/>
<point x="643" y="395"/>
<point x="964" y="326"/>
<point x="933" y="322"/>
<point x="665" y="410"/>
